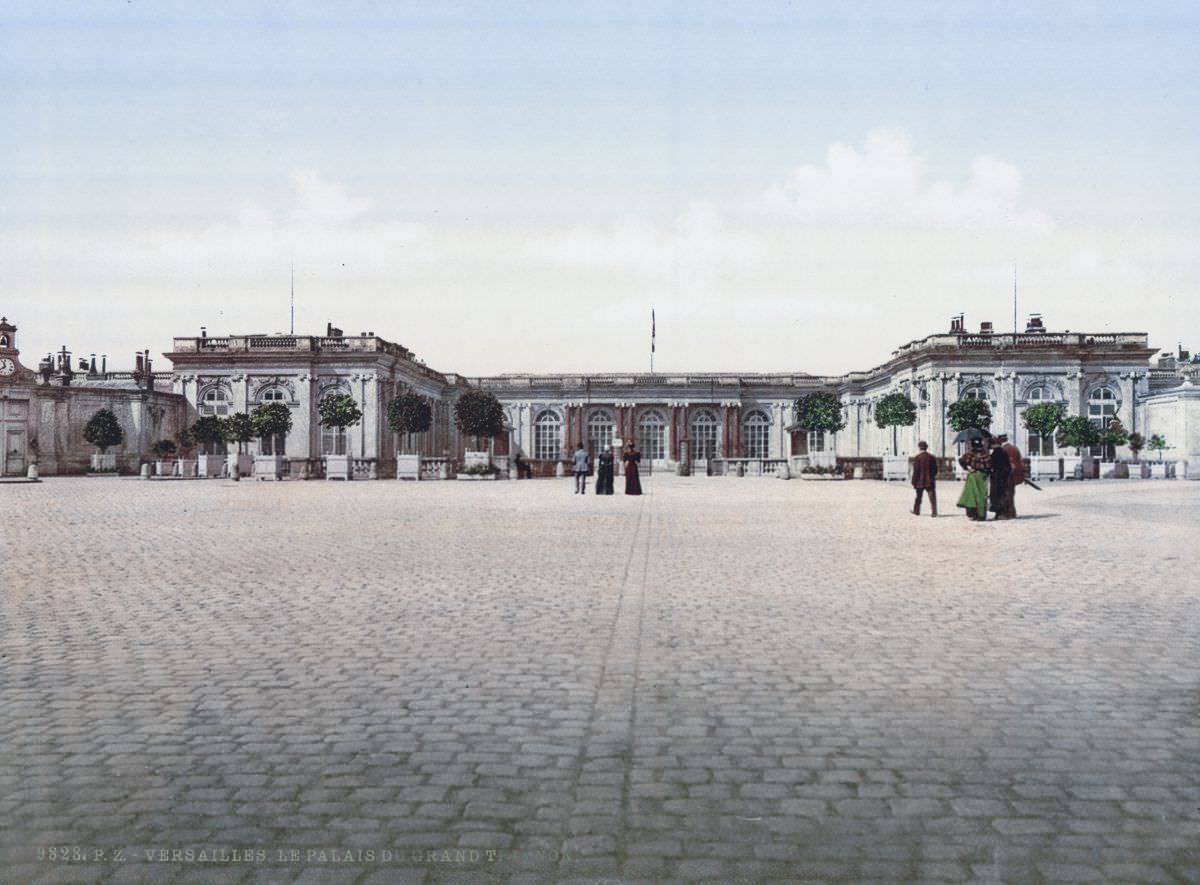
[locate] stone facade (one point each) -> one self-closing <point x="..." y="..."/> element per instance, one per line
<point x="222" y="376"/>
<point x="43" y="412"/>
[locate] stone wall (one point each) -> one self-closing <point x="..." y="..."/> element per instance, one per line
<point x="58" y="416"/>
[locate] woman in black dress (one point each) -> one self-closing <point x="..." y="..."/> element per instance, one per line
<point x="604" y="473"/>
<point x="631" y="457"/>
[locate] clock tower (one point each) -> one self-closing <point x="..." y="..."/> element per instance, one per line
<point x="9" y="366"/>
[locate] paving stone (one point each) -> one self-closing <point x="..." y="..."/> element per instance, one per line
<point x="726" y="679"/>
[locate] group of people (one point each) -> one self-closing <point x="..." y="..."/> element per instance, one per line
<point x="993" y="470"/>
<point x="630" y="458"/>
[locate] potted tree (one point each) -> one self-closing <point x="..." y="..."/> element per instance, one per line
<point x="186" y="465"/>
<point x="968" y="413"/>
<point x="407" y="414"/>
<point x="339" y="411"/>
<point x="819" y="412"/>
<point x="477" y="413"/>
<point x="164" y="450"/>
<point x="895" y="410"/>
<point x="272" y="422"/>
<point x="102" y="431"/>
<point x="238" y="428"/>
<point x="1158" y="443"/>
<point x="1136" y="443"/>
<point x="1112" y="436"/>
<point x="1042" y="420"/>
<point x="1077" y="432"/>
<point x="210" y="434"/>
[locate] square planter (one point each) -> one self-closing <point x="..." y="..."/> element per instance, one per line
<point x="104" y="462"/>
<point x="186" y="468"/>
<point x="210" y="466"/>
<point x="1136" y="471"/>
<point x="1159" y="471"/>
<point x="408" y="467"/>
<point x="270" y="467"/>
<point x="240" y="465"/>
<point x="339" y="467"/>
<point x="895" y="467"/>
<point x="1045" y="468"/>
<point x="163" y="467"/>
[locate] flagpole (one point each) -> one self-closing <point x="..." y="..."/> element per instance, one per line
<point x="652" y="341"/>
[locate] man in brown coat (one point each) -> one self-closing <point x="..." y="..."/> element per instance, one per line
<point x="924" y="478"/>
<point x="1015" y="477"/>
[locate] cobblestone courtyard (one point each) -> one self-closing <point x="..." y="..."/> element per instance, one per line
<point x="731" y="680"/>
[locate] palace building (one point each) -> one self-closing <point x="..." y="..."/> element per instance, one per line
<point x="709" y="422"/>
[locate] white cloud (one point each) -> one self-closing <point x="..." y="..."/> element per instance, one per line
<point x="885" y="184"/>
<point x="695" y="249"/>
<point x="326" y="231"/>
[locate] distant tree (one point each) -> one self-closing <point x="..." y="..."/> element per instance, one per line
<point x="479" y="414"/>
<point x="164" y="448"/>
<point x="409" y="413"/>
<point x="1137" y="442"/>
<point x="272" y="422"/>
<point x="969" y="414"/>
<point x="209" y="432"/>
<point x="1114" y="434"/>
<point x="103" y="430"/>
<point x="819" y="411"/>
<point x="238" y="428"/>
<point x="1043" y="419"/>
<point x="1077" y="432"/>
<point x="186" y="441"/>
<point x="1158" y="443"/>
<point x="895" y="410"/>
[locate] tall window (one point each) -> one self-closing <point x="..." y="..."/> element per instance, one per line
<point x="599" y="432"/>
<point x="272" y="445"/>
<point x="1036" y="443"/>
<point x="704" y="435"/>
<point x="333" y="440"/>
<point x="756" y="435"/>
<point x="1102" y="409"/>
<point x="652" y="436"/>
<point x="547" y="436"/>
<point x="816" y="441"/>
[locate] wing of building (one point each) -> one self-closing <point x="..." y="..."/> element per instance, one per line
<point x="710" y="422"/>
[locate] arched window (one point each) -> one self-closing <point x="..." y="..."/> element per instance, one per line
<point x="1037" y="443"/>
<point x="214" y="402"/>
<point x="756" y="435"/>
<point x="1102" y="406"/>
<point x="652" y="435"/>
<point x="3" y="341"/>
<point x="704" y="435"/>
<point x="1102" y="410"/>
<point x="976" y="391"/>
<point x="547" y="436"/>
<point x="272" y="395"/>
<point x="599" y="432"/>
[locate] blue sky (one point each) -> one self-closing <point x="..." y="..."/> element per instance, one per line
<point x="792" y="186"/>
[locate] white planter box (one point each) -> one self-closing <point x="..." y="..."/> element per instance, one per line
<point x="163" y="467"/>
<point x="1045" y="468"/>
<point x="476" y="477"/>
<point x="104" y="463"/>
<point x="1159" y="471"/>
<point x="476" y="459"/>
<point x="240" y="465"/>
<point x="211" y="465"/>
<point x="339" y="467"/>
<point x="269" y="467"/>
<point x="895" y="467"/>
<point x="408" y="467"/>
<point x="186" y="467"/>
<point x="1136" y="471"/>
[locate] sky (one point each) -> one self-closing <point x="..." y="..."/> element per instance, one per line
<point x="514" y="187"/>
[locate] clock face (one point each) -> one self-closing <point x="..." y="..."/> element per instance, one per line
<point x="7" y="366"/>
